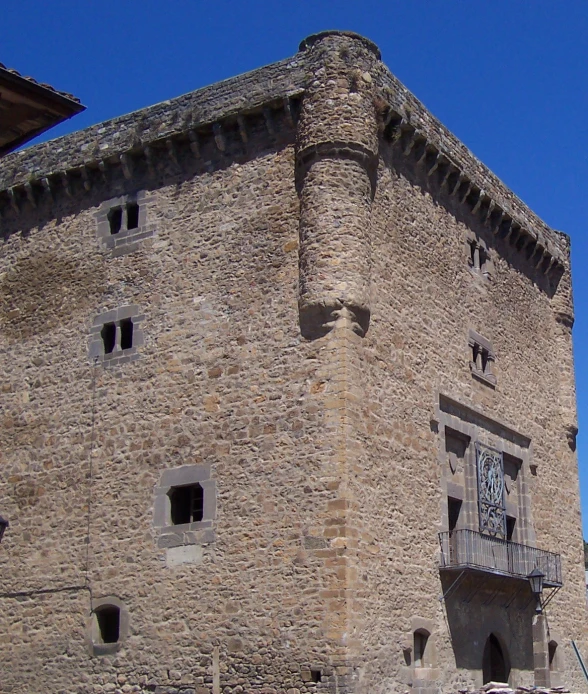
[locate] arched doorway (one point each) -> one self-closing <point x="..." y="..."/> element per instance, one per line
<point x="495" y="662"/>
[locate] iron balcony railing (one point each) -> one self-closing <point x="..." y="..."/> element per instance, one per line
<point x="470" y="549"/>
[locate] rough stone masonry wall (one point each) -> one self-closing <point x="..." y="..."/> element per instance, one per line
<point x="224" y="379"/>
<point x="323" y="449"/>
<point x="425" y="299"/>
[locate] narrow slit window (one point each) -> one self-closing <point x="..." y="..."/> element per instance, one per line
<point x="453" y="511"/>
<point x="132" y="215"/>
<point x="510" y="528"/>
<point x="552" y="648"/>
<point x="474" y="255"/>
<point x="126" y="333"/>
<point x="108" y="618"/>
<point x="475" y="353"/>
<point x="484" y="257"/>
<point x="115" y="220"/>
<point x="108" y="334"/>
<point x="484" y="357"/>
<point x="187" y="504"/>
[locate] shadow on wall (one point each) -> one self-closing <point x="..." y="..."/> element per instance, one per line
<point x="416" y="175"/>
<point x="316" y="320"/>
<point x="490" y="626"/>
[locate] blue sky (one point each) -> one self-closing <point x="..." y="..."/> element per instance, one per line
<point x="508" y="77"/>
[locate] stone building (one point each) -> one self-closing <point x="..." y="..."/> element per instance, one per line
<point x="287" y="401"/>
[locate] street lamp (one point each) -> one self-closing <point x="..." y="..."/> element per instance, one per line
<point x="536" y="580"/>
<point x="3" y="525"/>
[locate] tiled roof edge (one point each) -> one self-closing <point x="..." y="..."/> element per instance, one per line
<point x="42" y="85"/>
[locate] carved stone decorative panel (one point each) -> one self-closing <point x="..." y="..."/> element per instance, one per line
<point x="490" y="466"/>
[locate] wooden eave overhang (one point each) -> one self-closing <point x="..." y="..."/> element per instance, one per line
<point x="28" y="109"/>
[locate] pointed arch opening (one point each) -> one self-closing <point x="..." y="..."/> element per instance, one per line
<point x="552" y="652"/>
<point x="495" y="662"/>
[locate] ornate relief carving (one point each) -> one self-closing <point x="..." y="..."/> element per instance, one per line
<point x="491" y="491"/>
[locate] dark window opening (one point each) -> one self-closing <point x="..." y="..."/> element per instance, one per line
<point x="475" y="352"/>
<point x="108" y="334"/>
<point x="552" y="648"/>
<point x="484" y="355"/>
<point x="108" y="619"/>
<point x="510" y="528"/>
<point x="406" y="652"/>
<point x="483" y="258"/>
<point x="316" y="675"/>
<point x="187" y="504"/>
<point x="512" y="466"/>
<point x="115" y="220"/>
<point x="132" y="215"/>
<point x="126" y="333"/>
<point x="421" y="638"/>
<point x="481" y="360"/>
<point x="456" y="446"/>
<point x="453" y="511"/>
<point x="473" y="253"/>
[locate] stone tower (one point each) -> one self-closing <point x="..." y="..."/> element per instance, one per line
<point x="288" y="401"/>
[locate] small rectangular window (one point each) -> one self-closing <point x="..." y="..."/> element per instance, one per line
<point x="510" y="528"/>
<point x="132" y="215"/>
<point x="479" y="258"/>
<point x="316" y="675"/>
<point x="108" y="334"/>
<point x="187" y="504"/>
<point x="115" y="220"/>
<point x="453" y="511"/>
<point x="126" y="333"/>
<point x="482" y="358"/>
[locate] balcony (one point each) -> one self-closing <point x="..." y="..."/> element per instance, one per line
<point x="468" y="549"/>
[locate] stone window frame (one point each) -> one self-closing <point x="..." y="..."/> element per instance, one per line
<point x="482" y="366"/>
<point x="474" y="425"/>
<point x="95" y="645"/>
<point x="479" y="259"/>
<point x="126" y="240"/>
<point x="557" y="666"/>
<point x="427" y="671"/>
<point x="195" y="533"/>
<point x="118" y="356"/>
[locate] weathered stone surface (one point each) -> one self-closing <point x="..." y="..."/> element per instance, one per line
<point x="330" y="453"/>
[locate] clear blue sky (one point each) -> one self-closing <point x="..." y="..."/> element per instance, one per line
<point x="508" y="77"/>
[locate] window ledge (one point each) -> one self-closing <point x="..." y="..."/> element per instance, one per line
<point x="106" y="648"/>
<point x="191" y="534"/>
<point x="486" y="378"/>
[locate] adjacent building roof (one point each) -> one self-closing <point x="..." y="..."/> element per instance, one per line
<point x="29" y="108"/>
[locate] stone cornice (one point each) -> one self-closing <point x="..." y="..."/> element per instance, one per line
<point x="45" y="168"/>
<point x="465" y="175"/>
<point x="112" y="139"/>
